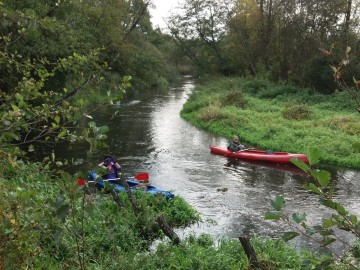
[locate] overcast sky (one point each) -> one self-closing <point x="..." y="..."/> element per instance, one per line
<point x="162" y="10"/>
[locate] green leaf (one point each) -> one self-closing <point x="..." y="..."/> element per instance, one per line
<point x="313" y="188"/>
<point x="314" y="155"/>
<point x="31" y="148"/>
<point x="326" y="233"/>
<point x="102" y="130"/>
<point x="10" y="136"/>
<point x="62" y="134"/>
<point x="326" y="241"/>
<point x="290" y="235"/>
<point x="323" y="177"/>
<point x="348" y="49"/>
<point x="300" y="164"/>
<point x="19" y="97"/>
<point x="272" y="216"/>
<point x="57" y="119"/>
<point x="314" y="229"/>
<point x="92" y="124"/>
<point x="298" y="218"/>
<point x="101" y="137"/>
<point x="78" y="162"/>
<point x="353" y="219"/>
<point x="327" y="223"/>
<point x="59" y="163"/>
<point x="278" y="203"/>
<point x="334" y="205"/>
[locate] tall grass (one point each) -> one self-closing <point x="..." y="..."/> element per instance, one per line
<point x="279" y="117"/>
<point x="51" y="221"/>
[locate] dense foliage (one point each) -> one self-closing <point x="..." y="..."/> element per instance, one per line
<point x="278" y="39"/>
<point x="59" y="57"/>
<point x="54" y="224"/>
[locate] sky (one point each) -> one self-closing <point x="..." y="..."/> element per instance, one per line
<point x="162" y="10"/>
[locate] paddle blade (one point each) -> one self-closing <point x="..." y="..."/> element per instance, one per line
<point x="81" y="182"/>
<point x="142" y="176"/>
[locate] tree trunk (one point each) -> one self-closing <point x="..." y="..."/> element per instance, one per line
<point x="250" y="252"/>
<point x="117" y="199"/>
<point x="167" y="230"/>
<point x="347" y="22"/>
<point x="161" y="221"/>
<point x="131" y="199"/>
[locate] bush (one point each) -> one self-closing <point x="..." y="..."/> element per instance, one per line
<point x="278" y="90"/>
<point x="297" y="112"/>
<point x="210" y="113"/>
<point x="347" y="124"/>
<point x="256" y="85"/>
<point x="235" y="98"/>
<point x="194" y="104"/>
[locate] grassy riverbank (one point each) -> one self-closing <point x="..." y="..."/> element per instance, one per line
<point x="278" y="117"/>
<point x="51" y="223"/>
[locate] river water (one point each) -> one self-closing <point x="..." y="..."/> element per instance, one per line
<point x="148" y="135"/>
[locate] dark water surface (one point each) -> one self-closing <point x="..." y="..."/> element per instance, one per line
<point x="148" y="135"/>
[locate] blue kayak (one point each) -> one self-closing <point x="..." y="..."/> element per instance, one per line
<point x="134" y="185"/>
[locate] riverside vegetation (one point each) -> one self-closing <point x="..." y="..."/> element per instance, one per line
<point x="51" y="223"/>
<point x="266" y="114"/>
<point x="279" y="117"/>
<point x="60" y="57"/>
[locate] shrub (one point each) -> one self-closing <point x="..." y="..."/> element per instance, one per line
<point x="235" y="98"/>
<point x="194" y="105"/>
<point x="346" y="124"/>
<point x="296" y="112"/>
<point x="256" y="85"/>
<point x="277" y="90"/>
<point x="210" y="113"/>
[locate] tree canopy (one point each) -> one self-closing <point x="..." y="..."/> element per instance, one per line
<point x="56" y="54"/>
<point x="282" y="40"/>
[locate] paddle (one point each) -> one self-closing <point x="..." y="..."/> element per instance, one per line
<point x="140" y="177"/>
<point x="246" y="149"/>
<point x="104" y="180"/>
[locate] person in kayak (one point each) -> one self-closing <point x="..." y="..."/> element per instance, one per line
<point x="113" y="167"/>
<point x="235" y="145"/>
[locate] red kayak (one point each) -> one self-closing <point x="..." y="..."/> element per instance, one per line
<point x="251" y="154"/>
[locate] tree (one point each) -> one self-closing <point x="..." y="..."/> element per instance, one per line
<point x="199" y="30"/>
<point x="33" y="108"/>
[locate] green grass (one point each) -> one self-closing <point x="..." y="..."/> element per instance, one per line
<point x="55" y="220"/>
<point x="279" y="117"/>
<point x="50" y="223"/>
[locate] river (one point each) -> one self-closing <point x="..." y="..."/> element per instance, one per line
<point x="148" y="135"/>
